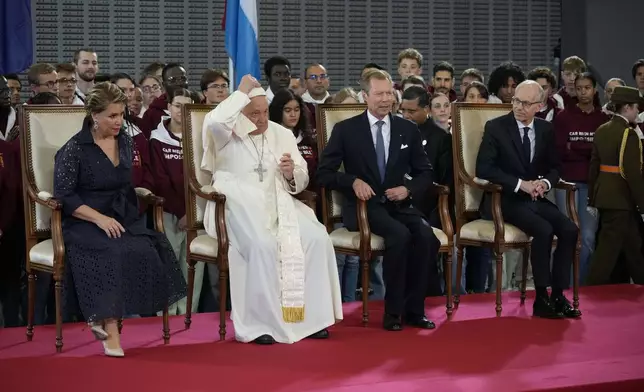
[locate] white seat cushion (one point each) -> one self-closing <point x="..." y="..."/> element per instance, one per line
<point x="204" y="245"/>
<point x="42" y="253"/>
<point x="343" y="238"/>
<point x="483" y="230"/>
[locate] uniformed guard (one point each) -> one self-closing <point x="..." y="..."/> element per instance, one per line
<point x="616" y="190"/>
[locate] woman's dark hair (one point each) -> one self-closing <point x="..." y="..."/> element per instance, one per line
<point x="616" y="107"/>
<point x="276" y="113"/>
<point x="121" y="75"/>
<point x="128" y="116"/>
<point x="587" y="76"/>
<point x="479" y="86"/>
<point x="179" y="92"/>
<point x="501" y="74"/>
<point x="47" y="98"/>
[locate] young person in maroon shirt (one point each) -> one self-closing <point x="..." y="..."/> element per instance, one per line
<point x="575" y="128"/>
<point x="167" y="161"/>
<point x="289" y="110"/>
<point x="572" y="67"/>
<point x="141" y="170"/>
<point x="173" y="75"/>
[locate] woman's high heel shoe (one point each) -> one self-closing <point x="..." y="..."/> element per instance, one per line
<point x="98" y="331"/>
<point x="113" y="352"/>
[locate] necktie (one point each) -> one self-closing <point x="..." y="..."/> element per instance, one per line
<point x="380" y="151"/>
<point x="526" y="144"/>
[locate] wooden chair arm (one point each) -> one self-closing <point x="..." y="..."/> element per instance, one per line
<point x="486" y="185"/>
<point x="207" y="192"/>
<point x="571" y="206"/>
<point x="364" y="230"/>
<point x="148" y="198"/>
<point x="45" y="199"/>
<point x="307" y="197"/>
<point x="443" y="210"/>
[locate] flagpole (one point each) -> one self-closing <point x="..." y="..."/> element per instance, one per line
<point x="231" y="74"/>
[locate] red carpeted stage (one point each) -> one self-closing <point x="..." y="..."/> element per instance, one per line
<point x="474" y="351"/>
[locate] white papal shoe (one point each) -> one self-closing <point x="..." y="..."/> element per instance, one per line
<point x="113" y="352"/>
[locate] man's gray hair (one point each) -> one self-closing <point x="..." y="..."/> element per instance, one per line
<point x="365" y="83"/>
<point x="542" y="94"/>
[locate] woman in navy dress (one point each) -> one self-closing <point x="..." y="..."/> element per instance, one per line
<point x="116" y="266"/>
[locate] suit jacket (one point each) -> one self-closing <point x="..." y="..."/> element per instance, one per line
<point x="611" y="190"/>
<point x="501" y="161"/>
<point x="437" y="144"/>
<point x="351" y="144"/>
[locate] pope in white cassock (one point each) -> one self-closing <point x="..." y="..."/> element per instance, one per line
<point x="284" y="282"/>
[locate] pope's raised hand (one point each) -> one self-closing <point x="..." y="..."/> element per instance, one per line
<point x="248" y="82"/>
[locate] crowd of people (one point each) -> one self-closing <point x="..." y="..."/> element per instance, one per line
<point x="132" y="137"/>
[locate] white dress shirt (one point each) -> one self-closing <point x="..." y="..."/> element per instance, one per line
<point x="386" y="131"/>
<point x="532" y="137"/>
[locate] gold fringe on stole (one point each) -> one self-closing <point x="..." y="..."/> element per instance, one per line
<point x="621" y="154"/>
<point x="293" y="315"/>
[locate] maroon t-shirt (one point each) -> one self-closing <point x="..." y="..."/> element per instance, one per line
<point x="309" y="152"/>
<point x="574" y="135"/>
<point x="152" y="116"/>
<point x="551" y="107"/>
<point x="569" y="100"/>
<point x="167" y="173"/>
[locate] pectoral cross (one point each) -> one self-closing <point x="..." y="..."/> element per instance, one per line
<point x="260" y="171"/>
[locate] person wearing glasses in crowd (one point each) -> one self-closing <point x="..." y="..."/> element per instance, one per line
<point x="173" y="75"/>
<point x="214" y="86"/>
<point x="42" y="78"/>
<point x="67" y="84"/>
<point x="151" y="86"/>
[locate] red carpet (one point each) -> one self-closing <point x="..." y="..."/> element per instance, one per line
<point x="472" y="352"/>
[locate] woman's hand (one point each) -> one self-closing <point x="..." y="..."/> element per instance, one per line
<point x="110" y="226"/>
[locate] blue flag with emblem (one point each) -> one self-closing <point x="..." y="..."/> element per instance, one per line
<point x="16" y="41"/>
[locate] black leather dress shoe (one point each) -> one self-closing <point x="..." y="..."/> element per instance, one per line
<point x="563" y="306"/>
<point x="323" y="334"/>
<point x="545" y="308"/>
<point x="392" y="322"/>
<point x="264" y="340"/>
<point x="419" y="322"/>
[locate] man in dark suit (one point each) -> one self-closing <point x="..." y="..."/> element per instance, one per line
<point x="517" y="152"/>
<point x="377" y="151"/>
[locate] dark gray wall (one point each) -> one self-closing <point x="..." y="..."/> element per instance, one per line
<point x="342" y="34"/>
<point x="607" y="34"/>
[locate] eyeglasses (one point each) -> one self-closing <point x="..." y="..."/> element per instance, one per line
<point x="318" y="77"/>
<point x="175" y="79"/>
<point x="525" y="104"/>
<point x="50" y="84"/>
<point x="222" y="86"/>
<point x="151" y="89"/>
<point x="67" y="81"/>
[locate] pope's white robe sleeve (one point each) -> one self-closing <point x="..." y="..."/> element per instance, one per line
<point x="227" y="119"/>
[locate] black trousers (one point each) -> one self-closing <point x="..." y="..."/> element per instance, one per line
<point x="619" y="234"/>
<point x="542" y="220"/>
<point x="411" y="253"/>
<point x="12" y="266"/>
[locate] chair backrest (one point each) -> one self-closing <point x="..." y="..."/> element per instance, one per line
<point x="193" y="116"/>
<point x="468" y="125"/>
<point x="43" y="131"/>
<point x="327" y="116"/>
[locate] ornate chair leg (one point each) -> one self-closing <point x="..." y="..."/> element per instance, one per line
<point x="459" y="274"/>
<point x="524" y="273"/>
<point x="191" y="285"/>
<point x="575" y="279"/>
<point x="166" y="325"/>
<point x="31" y="293"/>
<point x="365" y="292"/>
<point x="58" y="292"/>
<point x="448" y="281"/>
<point x="223" y="295"/>
<point x="499" y="283"/>
<point x="119" y="324"/>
